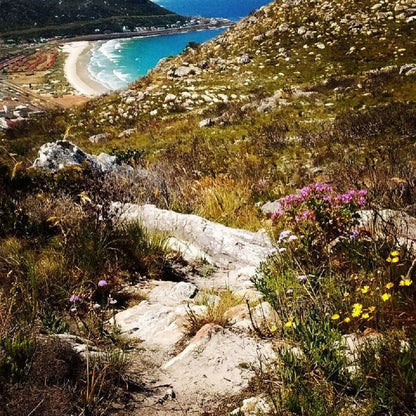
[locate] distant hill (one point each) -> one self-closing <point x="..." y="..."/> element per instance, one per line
<point x="26" y="18"/>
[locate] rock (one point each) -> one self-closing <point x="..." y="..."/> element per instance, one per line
<point x="156" y="325"/>
<point x="159" y="320"/>
<point x="126" y="133"/>
<point x="184" y="71"/>
<point x="390" y="223"/>
<point x="283" y="27"/>
<point x="99" y="137"/>
<point x="171" y="293"/>
<point x="206" y="98"/>
<point x="60" y="154"/>
<point x="253" y="406"/>
<point x="224" y="245"/>
<point x="79" y="345"/>
<point x="216" y="360"/>
<point x="170" y="98"/>
<point x="259" y="38"/>
<point x="206" y="122"/>
<point x="302" y="30"/>
<point x="408" y="69"/>
<point x="244" y="59"/>
<point x="351" y="344"/>
<point x="106" y="161"/>
<point x="270" y="103"/>
<point x="270" y="208"/>
<point x="263" y="316"/>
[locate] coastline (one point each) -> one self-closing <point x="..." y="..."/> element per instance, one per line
<point x="79" y="54"/>
<point x="76" y="69"/>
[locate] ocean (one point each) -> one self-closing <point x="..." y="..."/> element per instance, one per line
<point x="230" y="9"/>
<point x="118" y="62"/>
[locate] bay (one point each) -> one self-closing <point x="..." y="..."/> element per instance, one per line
<point x="118" y="62"/>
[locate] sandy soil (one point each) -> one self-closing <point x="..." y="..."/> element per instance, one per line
<point x="76" y="71"/>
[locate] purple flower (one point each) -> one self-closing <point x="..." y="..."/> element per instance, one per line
<point x="361" y="201"/>
<point x="284" y="234"/>
<point x="301" y="278"/>
<point x="354" y="234"/>
<point x="292" y="238"/>
<point x="74" y="298"/>
<point x="289" y="292"/>
<point x="305" y="215"/>
<point x="322" y="187"/>
<point x="102" y="283"/>
<point x="346" y="198"/>
<point x="282" y="250"/>
<point x="305" y="192"/>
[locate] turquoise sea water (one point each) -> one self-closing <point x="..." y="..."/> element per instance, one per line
<point x="118" y="62"/>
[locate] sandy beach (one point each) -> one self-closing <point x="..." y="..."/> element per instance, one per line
<point x="76" y="71"/>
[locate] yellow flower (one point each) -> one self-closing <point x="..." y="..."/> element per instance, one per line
<point x="372" y="309"/>
<point x="365" y="315"/>
<point x="385" y="296"/>
<point x="394" y="254"/>
<point x="347" y="319"/>
<point x="335" y="317"/>
<point x="395" y="260"/>
<point x="388" y="259"/>
<point x="365" y="289"/>
<point x="405" y="282"/>
<point x="357" y="309"/>
<point x="389" y="285"/>
<point x="273" y="328"/>
<point x="289" y="323"/>
<point x="346" y="294"/>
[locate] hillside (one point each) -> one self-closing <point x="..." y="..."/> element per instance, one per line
<point x="280" y="87"/>
<point x="246" y="245"/>
<point x="45" y="18"/>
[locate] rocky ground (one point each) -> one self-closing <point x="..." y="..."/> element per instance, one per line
<point x="187" y="360"/>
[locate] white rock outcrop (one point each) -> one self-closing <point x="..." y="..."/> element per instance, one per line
<point x="225" y="246"/>
<point x="60" y="154"/>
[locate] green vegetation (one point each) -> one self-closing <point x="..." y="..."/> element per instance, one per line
<point x="64" y="260"/>
<point x="27" y="20"/>
<point x="346" y="299"/>
<point x="326" y="98"/>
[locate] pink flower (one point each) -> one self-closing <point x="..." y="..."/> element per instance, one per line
<point x="102" y="283"/>
<point x="305" y="215"/>
<point x="74" y="298"/>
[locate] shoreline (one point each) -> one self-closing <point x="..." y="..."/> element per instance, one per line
<point x="146" y="33"/>
<point x="79" y="53"/>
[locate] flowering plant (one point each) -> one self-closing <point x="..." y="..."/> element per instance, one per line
<point x="320" y="206"/>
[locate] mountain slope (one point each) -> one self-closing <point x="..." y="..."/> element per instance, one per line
<point x="84" y="16"/>
<point x="270" y="105"/>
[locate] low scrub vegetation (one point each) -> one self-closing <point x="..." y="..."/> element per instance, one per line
<point x="346" y="297"/>
<point x="64" y="259"/>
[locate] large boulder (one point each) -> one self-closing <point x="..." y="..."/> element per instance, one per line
<point x="60" y="154"/>
<point x="223" y="246"/>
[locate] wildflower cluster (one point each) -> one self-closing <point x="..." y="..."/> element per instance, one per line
<point x="309" y="196"/>
<point x="374" y="298"/>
